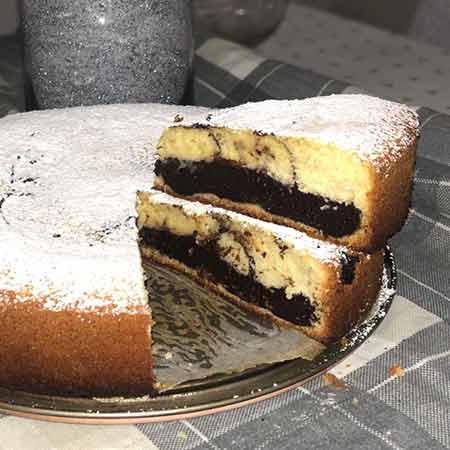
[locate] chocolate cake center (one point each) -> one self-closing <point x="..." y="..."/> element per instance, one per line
<point x="298" y="309"/>
<point x="240" y="184"/>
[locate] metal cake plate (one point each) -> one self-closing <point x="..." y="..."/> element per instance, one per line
<point x="212" y="395"/>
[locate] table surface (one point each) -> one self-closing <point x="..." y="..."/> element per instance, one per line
<point x="388" y="65"/>
<point x="375" y="409"/>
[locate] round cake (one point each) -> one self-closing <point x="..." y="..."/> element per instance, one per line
<point x="75" y="317"/>
<point x="74" y="310"/>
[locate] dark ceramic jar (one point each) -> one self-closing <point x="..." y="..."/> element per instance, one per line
<point x="88" y="52"/>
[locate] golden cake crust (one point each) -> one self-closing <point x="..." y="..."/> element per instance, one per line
<point x="388" y="205"/>
<point x="345" y="305"/>
<point x="73" y="352"/>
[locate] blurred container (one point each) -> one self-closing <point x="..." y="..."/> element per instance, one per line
<point x="8" y="17"/>
<point x="89" y="52"/>
<point x="244" y="21"/>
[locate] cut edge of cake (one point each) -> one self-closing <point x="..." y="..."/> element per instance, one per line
<point x="284" y="270"/>
<point x="343" y="164"/>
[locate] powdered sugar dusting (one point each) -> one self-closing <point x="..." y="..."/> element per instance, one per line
<point x="324" y="251"/>
<point x="375" y="130"/>
<point x="68" y="182"/>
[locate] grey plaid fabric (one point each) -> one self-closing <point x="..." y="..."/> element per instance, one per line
<point x="375" y="410"/>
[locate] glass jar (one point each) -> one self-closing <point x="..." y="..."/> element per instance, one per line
<point x="244" y="21"/>
<point x="88" y="52"/>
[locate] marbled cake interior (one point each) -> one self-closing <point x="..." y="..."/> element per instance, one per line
<point x="271" y="266"/>
<point x="338" y="167"/>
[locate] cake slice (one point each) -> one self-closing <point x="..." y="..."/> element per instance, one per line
<point x="276" y="271"/>
<point x="338" y="167"/>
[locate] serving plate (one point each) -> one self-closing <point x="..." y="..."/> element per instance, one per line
<point x="214" y="394"/>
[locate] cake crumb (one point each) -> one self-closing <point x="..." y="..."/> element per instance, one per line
<point x="396" y="371"/>
<point x="182" y="435"/>
<point x="178" y="118"/>
<point x="329" y="378"/>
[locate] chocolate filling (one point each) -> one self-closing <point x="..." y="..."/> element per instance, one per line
<point x="240" y="184"/>
<point x="297" y="310"/>
<point x="348" y="268"/>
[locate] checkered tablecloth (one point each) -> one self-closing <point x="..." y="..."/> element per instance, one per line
<point x="390" y="65"/>
<point x="375" y="409"/>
